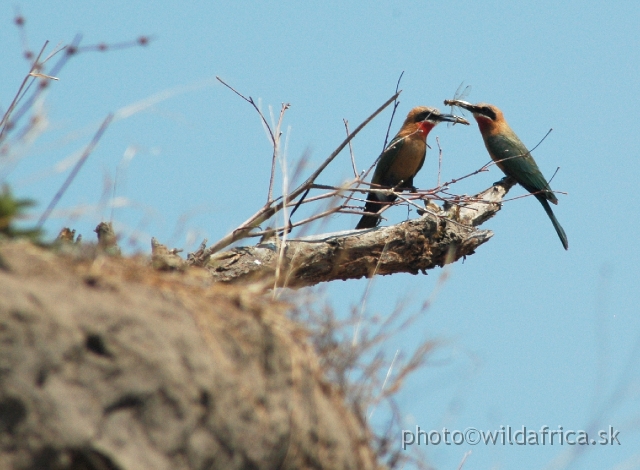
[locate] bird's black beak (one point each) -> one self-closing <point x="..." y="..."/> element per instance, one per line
<point x="450" y="118"/>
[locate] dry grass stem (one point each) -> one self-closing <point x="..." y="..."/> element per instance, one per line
<point x="76" y="169"/>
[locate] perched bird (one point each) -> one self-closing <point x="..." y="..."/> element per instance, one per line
<point x="402" y="159"/>
<point x="512" y="157"/>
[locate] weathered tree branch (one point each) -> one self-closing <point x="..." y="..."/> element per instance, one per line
<point x="440" y="237"/>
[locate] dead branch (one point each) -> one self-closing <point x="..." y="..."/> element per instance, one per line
<point x="414" y="246"/>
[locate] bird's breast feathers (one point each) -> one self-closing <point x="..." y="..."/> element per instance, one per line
<point x="408" y="159"/>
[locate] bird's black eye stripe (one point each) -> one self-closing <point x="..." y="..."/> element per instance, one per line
<point x="487" y="111"/>
<point x="424" y="115"/>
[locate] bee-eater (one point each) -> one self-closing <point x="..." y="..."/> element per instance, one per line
<point x="402" y="159"/>
<point x="512" y="156"/>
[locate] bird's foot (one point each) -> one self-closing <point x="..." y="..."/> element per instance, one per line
<point x="507" y="181"/>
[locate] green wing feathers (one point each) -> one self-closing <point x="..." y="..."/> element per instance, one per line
<point x="518" y="163"/>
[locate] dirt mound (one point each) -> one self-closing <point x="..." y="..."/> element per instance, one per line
<point x="107" y="364"/>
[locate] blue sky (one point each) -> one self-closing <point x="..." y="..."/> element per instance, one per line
<point x="531" y="335"/>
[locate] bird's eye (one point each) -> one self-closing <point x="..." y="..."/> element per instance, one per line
<point x="487" y="111"/>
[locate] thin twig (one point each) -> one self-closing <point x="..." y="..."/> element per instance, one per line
<point x="286" y="222"/>
<point x="41" y="75"/>
<point x="71" y="49"/>
<point x="74" y="172"/>
<point x="290" y="226"/>
<point x="53" y="53"/>
<point x="5" y="119"/>
<point x="335" y="153"/>
<point x="276" y="150"/>
<point x="396" y="103"/>
<point x="353" y="160"/>
<point x="305" y="200"/>
<point x="439" y="159"/>
<point x="275" y="137"/>
<point x="359" y="212"/>
<point x="19" y="21"/>
<point x="373" y="188"/>
<point x="252" y="103"/>
<point x="541" y="140"/>
<point x="386" y="379"/>
<point x="533" y="194"/>
<point x="104" y="47"/>
<point x="554" y="174"/>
